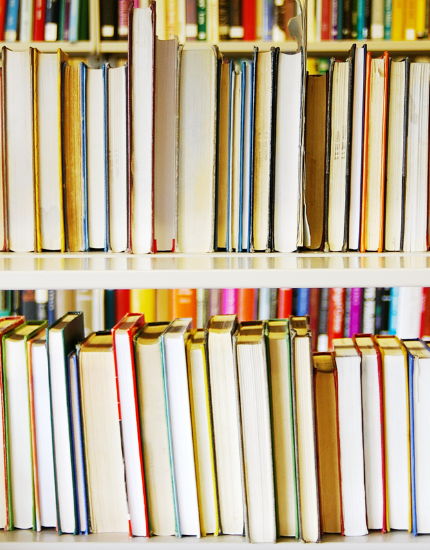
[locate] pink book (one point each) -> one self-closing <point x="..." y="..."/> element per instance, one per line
<point x="229" y="301"/>
<point x="355" y="313"/>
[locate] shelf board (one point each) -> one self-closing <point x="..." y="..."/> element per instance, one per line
<point x="22" y="539"/>
<point x="83" y="47"/>
<point x="219" y="270"/>
<point x="324" y="48"/>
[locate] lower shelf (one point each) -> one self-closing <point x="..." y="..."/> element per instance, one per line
<point x="18" y="539"/>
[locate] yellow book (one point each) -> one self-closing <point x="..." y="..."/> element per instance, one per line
<point x="396" y="432"/>
<point x="164" y="304"/>
<point x="410" y="17"/>
<point x="421" y="18"/>
<point x="202" y="433"/>
<point x="397" y="20"/>
<point x="144" y="301"/>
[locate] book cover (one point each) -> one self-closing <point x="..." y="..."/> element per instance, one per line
<point x="249" y="19"/>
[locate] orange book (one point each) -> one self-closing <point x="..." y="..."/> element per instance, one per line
<point x="373" y="188"/>
<point x="185" y="303"/>
<point x="246" y="304"/>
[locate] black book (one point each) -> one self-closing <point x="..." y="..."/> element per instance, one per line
<point x="51" y="20"/>
<point x="347" y="19"/>
<point x="108" y="18"/>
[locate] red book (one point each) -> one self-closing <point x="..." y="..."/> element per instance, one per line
<point x="185" y="304"/>
<point x="122" y="304"/>
<point x="325" y="20"/>
<point x="285" y="303"/>
<point x="3" y="5"/>
<point x="249" y="19"/>
<point x="123" y="349"/>
<point x="246" y="304"/>
<point x="336" y="315"/>
<point x="314" y="310"/>
<point x="39" y="20"/>
<point x="425" y="314"/>
<point x="289" y="13"/>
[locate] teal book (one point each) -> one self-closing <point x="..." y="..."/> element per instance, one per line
<point x="388" y="6"/>
<point x="5" y="303"/>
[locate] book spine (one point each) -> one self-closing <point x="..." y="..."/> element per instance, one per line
<point x="109" y="309"/>
<point x="5" y="303"/>
<point x="3" y="9"/>
<point x="367" y="14"/>
<point x="377" y="20"/>
<point x="229" y="301"/>
<point x="347" y="19"/>
<point x="354" y="19"/>
<point x="26" y="21"/>
<point x="369" y="310"/>
<point x="39" y="19"/>
<point x="202" y="297"/>
<point x="427" y="22"/>
<point x="212" y="21"/>
<point x="325" y="20"/>
<point x="51" y="20"/>
<point x="340" y="18"/>
<point x="303" y="295"/>
<point x="314" y="310"/>
<point x="28" y="307"/>
<point x="107" y="19"/>
<point x="144" y="301"/>
<point x="355" y="313"/>
<point x="249" y="17"/>
<point x="223" y="19"/>
<point x="74" y="20"/>
<point x="289" y="13"/>
<point x="268" y="19"/>
<point x="51" y="307"/>
<point x="360" y="19"/>
<point x="336" y="315"/>
<point x="378" y="310"/>
<point x="397" y="20"/>
<point x="185" y="304"/>
<point x="285" y="303"/>
<point x="123" y="7"/>
<point x="122" y="304"/>
<point x="215" y="298"/>
<point x="323" y="320"/>
<point x="246" y="304"/>
<point x="392" y="324"/>
<point x="273" y="303"/>
<point x="61" y="10"/>
<point x="264" y="303"/>
<point x="388" y="19"/>
<point x="66" y="27"/>
<point x="421" y="11"/>
<point x="425" y="314"/>
<point x="334" y="19"/>
<point x="16" y="303"/>
<point x="12" y="17"/>
<point x="236" y="27"/>
<point x="347" y="314"/>
<point x="201" y="20"/>
<point x="41" y="297"/>
<point x="191" y="25"/>
<point x="172" y="18"/>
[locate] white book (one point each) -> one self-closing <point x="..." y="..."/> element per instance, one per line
<point x="236" y="160"/>
<point x="26" y="20"/>
<point x="348" y="363"/>
<point x="117" y="144"/>
<point x="180" y="422"/>
<point x="248" y="68"/>
<point x="409" y="308"/>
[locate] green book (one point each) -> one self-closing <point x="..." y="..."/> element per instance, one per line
<point x="201" y="20"/>
<point x="16" y="393"/>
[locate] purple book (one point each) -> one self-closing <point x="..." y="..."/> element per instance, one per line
<point x="229" y="301"/>
<point x="355" y="312"/>
<point x="334" y="8"/>
<point x="66" y="20"/>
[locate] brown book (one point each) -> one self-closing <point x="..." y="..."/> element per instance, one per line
<point x="2" y="181"/>
<point x="327" y="429"/>
<point x="74" y="185"/>
<point x="315" y="146"/>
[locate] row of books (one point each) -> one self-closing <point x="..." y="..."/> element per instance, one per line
<point x="370" y="19"/>
<point x="157" y="429"/>
<point x="334" y="313"/>
<point x="36" y="20"/>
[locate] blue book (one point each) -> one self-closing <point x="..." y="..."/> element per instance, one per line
<point x="360" y="19"/>
<point x="12" y="19"/>
<point x="74" y="20"/>
<point x="51" y="307"/>
<point x="242" y="132"/>
<point x="303" y="295"/>
<point x="392" y="321"/>
<point x="267" y="19"/>
<point x="247" y="157"/>
<point x="339" y="19"/>
<point x="387" y="19"/>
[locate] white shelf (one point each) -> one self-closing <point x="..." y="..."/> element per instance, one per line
<point x="49" y="539"/>
<point x="220" y="270"/>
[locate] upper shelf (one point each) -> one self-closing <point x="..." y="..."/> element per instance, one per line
<point x="220" y="270"/>
<point x="325" y="48"/>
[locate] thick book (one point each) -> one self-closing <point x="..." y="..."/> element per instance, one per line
<point x="396" y="432"/>
<point x="225" y="414"/>
<point x="282" y="414"/>
<point x="141" y="85"/>
<point x="18" y="143"/>
<point x="48" y="146"/>
<point x="197" y="136"/>
<point x="62" y="338"/>
<point x="348" y="363"/>
<point x="374" y="154"/>
<point x="397" y="132"/>
<point x="155" y="428"/>
<point x="327" y="430"/>
<point x="373" y="431"/>
<point x="123" y="334"/>
<point x="75" y="181"/>
<point x="201" y="418"/>
<point x="253" y="383"/>
<point x="304" y="430"/>
<point x="107" y="501"/>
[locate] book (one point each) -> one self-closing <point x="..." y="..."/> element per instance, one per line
<point x="155" y="428"/>
<point x="3" y="196"/>
<point x="416" y="231"/>
<point x="191" y="28"/>
<point x="323" y="343"/>
<point x="236" y="29"/>
<point x="256" y="431"/>
<point x="409" y="306"/>
<point x="12" y="21"/>
<point x="246" y="304"/>
<point x="225" y="418"/>
<point x="249" y="19"/>
<point x="204" y="453"/>
<point x="141" y="73"/>
<point x="236" y="171"/>
<point x="62" y="338"/>
<point x="28" y="305"/>
<point x="41" y="432"/>
<point x="336" y="315"/>
<point x="125" y="372"/>
<point x="117" y="158"/>
<point x="348" y="363"/>
<point x="289" y="152"/>
<point x="229" y="301"/>
<point x="377" y="20"/>
<point x="174" y="339"/>
<point x="373" y="431"/>
<point x="164" y="304"/>
<point x="197" y="135"/>
<point x="75" y="182"/>
<point x="41" y="298"/>
<point x="51" y="20"/>
<point x="374" y="144"/>
<point x="248" y="148"/>
<point x="74" y="16"/>
<point x="184" y="303"/>
<point x="369" y="310"/>
<point x="107" y="502"/>
<point x="26" y="21"/>
<point x="397" y="20"/>
<point x="396" y="432"/>
<point x="418" y="355"/>
<point x="144" y="300"/>
<point x="165" y="145"/>
<point x="304" y="430"/>
<point x="48" y="145"/>
<point x="5" y="303"/>
<point x="396" y="155"/>
<point x="202" y="299"/>
<point x="327" y="430"/>
<point x="355" y="311"/>
<point x="315" y="151"/>
<point x="3" y="8"/>
<point x="122" y="303"/>
<point x="108" y="17"/>
<point x="281" y="404"/>
<point x="202" y="20"/>
<point x="18" y="97"/>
